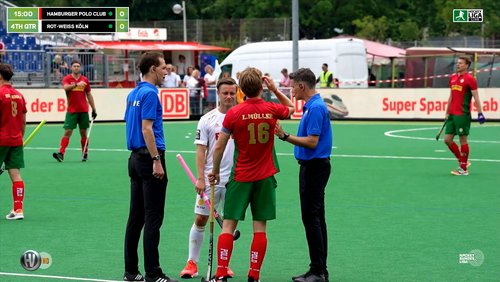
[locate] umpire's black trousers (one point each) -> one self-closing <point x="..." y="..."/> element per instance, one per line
<point x="147" y="203"/>
<point x="313" y="177"/>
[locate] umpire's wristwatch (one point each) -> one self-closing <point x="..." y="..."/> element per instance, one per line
<point x="156" y="158"/>
<point x="285" y="136"/>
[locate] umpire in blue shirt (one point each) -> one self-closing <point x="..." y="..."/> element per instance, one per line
<point x="313" y="146"/>
<point x="147" y="171"/>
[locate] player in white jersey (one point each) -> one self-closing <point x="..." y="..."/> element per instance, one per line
<point x="207" y="132"/>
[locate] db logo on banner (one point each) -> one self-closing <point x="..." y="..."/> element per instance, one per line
<point x="299" y="105"/>
<point x="175" y="103"/>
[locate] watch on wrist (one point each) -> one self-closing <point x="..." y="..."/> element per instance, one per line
<point x="156" y="158"/>
<point x="285" y="136"/>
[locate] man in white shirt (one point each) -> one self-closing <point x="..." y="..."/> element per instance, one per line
<point x="207" y="133"/>
<point x="171" y="80"/>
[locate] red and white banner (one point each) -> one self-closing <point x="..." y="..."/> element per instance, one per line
<point x="400" y="103"/>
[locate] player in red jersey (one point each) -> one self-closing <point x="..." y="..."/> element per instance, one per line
<point x="12" y="124"/>
<point x="77" y="89"/>
<point x="251" y="124"/>
<point x="463" y="88"/>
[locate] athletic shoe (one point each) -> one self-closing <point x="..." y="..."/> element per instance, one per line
<point x="309" y="277"/>
<point x="133" y="277"/>
<point x="58" y="156"/>
<point x="251" y="279"/>
<point x="460" y="171"/>
<point x="17" y="214"/>
<point x="161" y="278"/>
<point x="85" y="157"/>
<point x="190" y="271"/>
<point x="215" y="279"/>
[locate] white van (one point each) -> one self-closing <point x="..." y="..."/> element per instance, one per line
<point x="346" y="59"/>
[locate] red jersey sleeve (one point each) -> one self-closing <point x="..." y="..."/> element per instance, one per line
<point x="472" y="83"/>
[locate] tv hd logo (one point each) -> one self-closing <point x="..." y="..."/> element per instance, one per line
<point x="32" y="260"/>
<point x="467" y="15"/>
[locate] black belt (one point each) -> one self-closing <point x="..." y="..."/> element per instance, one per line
<point x="311" y="161"/>
<point x="144" y="151"/>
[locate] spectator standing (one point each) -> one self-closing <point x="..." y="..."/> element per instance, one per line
<point x="210" y="81"/>
<point x="285" y="82"/>
<point x="325" y="79"/>
<point x="171" y="79"/>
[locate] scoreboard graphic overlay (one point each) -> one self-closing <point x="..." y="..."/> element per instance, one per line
<point x="67" y="19"/>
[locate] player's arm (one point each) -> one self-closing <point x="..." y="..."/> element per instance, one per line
<point x="69" y="86"/>
<point x="477" y="102"/>
<point x="24" y="124"/>
<point x="219" y="148"/>
<point x="284" y="100"/>
<point x="201" y="159"/>
<point x="448" y="106"/>
<point x="90" y="99"/>
<point x="480" y="117"/>
<point x="310" y="141"/>
<point x="149" y="139"/>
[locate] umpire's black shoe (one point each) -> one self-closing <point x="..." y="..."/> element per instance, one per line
<point x="85" y="157"/>
<point x="309" y="277"/>
<point x="133" y="277"/>
<point x="161" y="278"/>
<point x="58" y="156"/>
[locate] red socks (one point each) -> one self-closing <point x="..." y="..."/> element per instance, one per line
<point x="257" y="254"/>
<point x="18" y="194"/>
<point x="461" y="154"/>
<point x="224" y="250"/>
<point x="82" y="142"/>
<point x="455" y="150"/>
<point x="464" y="156"/>
<point x="64" y="144"/>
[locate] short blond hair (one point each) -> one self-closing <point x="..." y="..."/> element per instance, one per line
<point x="251" y="82"/>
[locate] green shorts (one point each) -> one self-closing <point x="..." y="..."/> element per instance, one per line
<point x="458" y="125"/>
<point x="261" y="195"/>
<point x="13" y="157"/>
<point x="72" y="119"/>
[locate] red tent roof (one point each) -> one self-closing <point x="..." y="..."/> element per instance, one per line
<point x="152" y="45"/>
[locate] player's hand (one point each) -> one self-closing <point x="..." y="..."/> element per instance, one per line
<point x="480" y="118"/>
<point x="269" y="83"/>
<point x="81" y="84"/>
<point x="213" y="178"/>
<point x="278" y="130"/>
<point x="94" y="114"/>
<point x="200" y="186"/>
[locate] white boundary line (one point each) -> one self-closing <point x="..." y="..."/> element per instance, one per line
<point x="392" y="134"/>
<point x="57" y="277"/>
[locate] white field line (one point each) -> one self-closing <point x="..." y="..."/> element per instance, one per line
<point x="394" y="133"/>
<point x="56" y="277"/>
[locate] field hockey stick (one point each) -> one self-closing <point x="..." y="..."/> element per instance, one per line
<point x="211" y="243"/>
<point x="441" y="130"/>
<point x="87" y="139"/>
<point x="27" y="140"/>
<point x="204" y="196"/>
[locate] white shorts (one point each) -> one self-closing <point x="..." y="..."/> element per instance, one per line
<point x="201" y="208"/>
